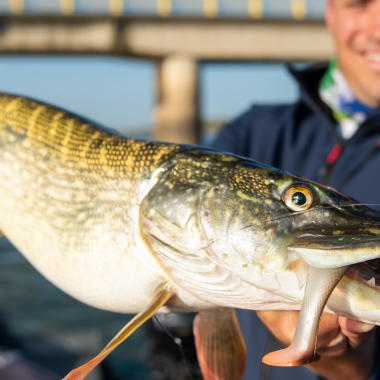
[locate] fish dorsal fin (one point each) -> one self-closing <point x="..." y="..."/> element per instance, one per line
<point x="163" y="293"/>
<point x="220" y="344"/>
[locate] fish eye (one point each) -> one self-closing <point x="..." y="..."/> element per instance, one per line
<point x="298" y="197"/>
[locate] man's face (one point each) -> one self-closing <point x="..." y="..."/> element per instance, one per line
<point x="355" y="28"/>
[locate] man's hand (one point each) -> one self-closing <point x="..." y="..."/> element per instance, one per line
<point x="347" y="347"/>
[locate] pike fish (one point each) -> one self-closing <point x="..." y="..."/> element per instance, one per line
<point x="141" y="227"/>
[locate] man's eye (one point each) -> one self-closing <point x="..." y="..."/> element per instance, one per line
<point x="355" y="3"/>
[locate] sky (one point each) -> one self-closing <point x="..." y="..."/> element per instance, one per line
<point x="120" y="93"/>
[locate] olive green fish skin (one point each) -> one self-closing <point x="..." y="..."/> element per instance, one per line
<point x="68" y="189"/>
<point x="107" y="219"/>
<point x="78" y="173"/>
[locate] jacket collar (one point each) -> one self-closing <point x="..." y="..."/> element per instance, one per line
<point x="308" y="81"/>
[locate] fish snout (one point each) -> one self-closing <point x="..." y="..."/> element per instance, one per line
<point x="339" y="246"/>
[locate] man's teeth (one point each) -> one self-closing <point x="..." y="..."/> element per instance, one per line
<point x="374" y="57"/>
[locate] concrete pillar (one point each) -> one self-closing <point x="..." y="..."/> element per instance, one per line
<point x="177" y="110"/>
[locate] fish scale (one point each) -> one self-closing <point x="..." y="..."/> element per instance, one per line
<point x="75" y="184"/>
<point x="139" y="227"/>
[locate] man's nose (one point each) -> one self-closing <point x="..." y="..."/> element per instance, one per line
<point x="370" y="21"/>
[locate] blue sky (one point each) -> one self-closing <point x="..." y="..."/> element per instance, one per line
<point x="120" y="93"/>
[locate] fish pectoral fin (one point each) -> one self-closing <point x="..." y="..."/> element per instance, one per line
<point x="319" y="285"/>
<point x="163" y="294"/>
<point x="220" y="345"/>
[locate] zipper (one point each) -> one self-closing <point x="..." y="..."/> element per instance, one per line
<point x="332" y="158"/>
<point x="371" y="155"/>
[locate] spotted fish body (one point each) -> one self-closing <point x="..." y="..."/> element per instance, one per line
<point x="77" y="189"/>
<point x="74" y="202"/>
<point x="110" y="220"/>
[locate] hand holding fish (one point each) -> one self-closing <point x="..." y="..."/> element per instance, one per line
<point x="346" y="346"/>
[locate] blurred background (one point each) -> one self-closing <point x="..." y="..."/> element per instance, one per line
<point x="173" y="70"/>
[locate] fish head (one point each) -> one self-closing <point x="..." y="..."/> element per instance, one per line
<point x="290" y="218"/>
<point x="266" y="213"/>
<point x="250" y="216"/>
<point x="330" y="229"/>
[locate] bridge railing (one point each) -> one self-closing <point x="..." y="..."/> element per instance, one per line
<point x="274" y="9"/>
<point x="176" y="34"/>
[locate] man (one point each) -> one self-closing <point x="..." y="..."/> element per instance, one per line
<point x="331" y="135"/>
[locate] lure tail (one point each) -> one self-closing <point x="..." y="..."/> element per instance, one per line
<point x="319" y="285"/>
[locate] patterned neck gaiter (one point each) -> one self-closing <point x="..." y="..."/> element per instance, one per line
<point x="336" y="93"/>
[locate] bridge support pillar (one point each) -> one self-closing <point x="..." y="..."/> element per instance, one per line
<point x="177" y="110"/>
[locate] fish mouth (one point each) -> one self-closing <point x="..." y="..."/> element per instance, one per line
<point x="336" y="248"/>
<point x="337" y="241"/>
<point x="333" y="250"/>
<point x="367" y="272"/>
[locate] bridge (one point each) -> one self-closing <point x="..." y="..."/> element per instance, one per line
<point x="177" y="34"/>
<point x="311" y="9"/>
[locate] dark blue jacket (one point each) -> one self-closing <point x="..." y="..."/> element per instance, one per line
<point x="302" y="138"/>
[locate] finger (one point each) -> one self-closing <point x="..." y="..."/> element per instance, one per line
<point x="282" y="324"/>
<point x="354" y="327"/>
<point x="328" y="331"/>
<point x="355" y="331"/>
<point x="331" y="341"/>
<point x="335" y="347"/>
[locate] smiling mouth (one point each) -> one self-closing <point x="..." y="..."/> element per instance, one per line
<point x="372" y="57"/>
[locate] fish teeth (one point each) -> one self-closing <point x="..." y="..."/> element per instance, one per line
<point x="371" y="282"/>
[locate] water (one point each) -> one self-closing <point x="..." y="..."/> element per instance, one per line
<point x="57" y="330"/>
<point x="120" y="93"/>
<point x="61" y="333"/>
